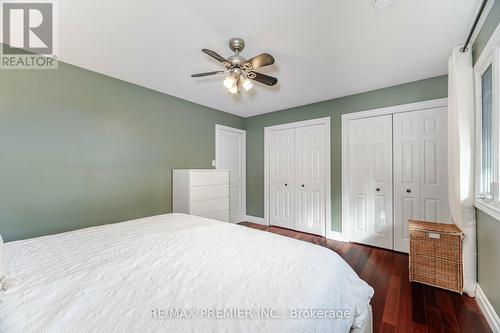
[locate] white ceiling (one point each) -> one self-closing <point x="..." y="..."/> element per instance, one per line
<point x="323" y="48"/>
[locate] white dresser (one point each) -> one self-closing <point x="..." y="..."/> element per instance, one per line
<point x="201" y="192"/>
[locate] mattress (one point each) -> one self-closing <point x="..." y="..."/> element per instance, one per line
<point x="178" y="273"/>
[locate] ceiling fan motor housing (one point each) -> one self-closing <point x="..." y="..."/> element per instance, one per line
<point x="236" y="44"/>
<point x="236" y="60"/>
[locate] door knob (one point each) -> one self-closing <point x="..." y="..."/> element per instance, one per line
<point x="377" y="189"/>
<point x="302" y="185"/>
<point x="286" y="184"/>
<point x="408" y="190"/>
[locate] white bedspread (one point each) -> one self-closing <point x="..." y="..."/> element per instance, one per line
<point x="130" y="276"/>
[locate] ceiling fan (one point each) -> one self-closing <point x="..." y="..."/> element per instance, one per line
<point x="240" y="71"/>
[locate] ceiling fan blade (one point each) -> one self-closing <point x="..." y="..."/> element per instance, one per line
<point x="216" y="56"/>
<point x="262" y="78"/>
<point x="207" y="74"/>
<point x="264" y="59"/>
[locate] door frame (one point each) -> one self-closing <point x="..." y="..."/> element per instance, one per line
<point x="328" y="201"/>
<point x="243" y="162"/>
<point x="430" y="104"/>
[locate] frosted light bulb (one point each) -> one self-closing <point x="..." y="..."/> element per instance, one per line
<point x="247" y="84"/>
<point x="233" y="89"/>
<point x="229" y="82"/>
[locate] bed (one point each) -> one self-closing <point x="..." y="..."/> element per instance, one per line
<point x="179" y="273"/>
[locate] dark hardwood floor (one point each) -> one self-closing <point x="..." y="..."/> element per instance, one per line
<point x="398" y="305"/>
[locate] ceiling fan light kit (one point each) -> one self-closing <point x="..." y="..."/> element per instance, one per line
<point x="240" y="71"/>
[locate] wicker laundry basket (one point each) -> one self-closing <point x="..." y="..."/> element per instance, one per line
<point x="436" y="255"/>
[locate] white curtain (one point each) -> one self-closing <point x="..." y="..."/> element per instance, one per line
<point x="461" y="157"/>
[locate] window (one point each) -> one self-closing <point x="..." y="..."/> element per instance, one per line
<point x="487" y="179"/>
<point x="487" y="133"/>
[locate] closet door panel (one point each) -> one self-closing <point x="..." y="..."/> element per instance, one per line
<point x="310" y="179"/>
<point x="370" y="181"/>
<point x="281" y="177"/>
<point x="381" y="180"/>
<point x="406" y="176"/>
<point x="378" y="183"/>
<point x="434" y="161"/>
<point x="359" y="180"/>
<point x="420" y="170"/>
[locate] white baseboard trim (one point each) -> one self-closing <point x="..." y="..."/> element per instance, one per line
<point x="255" y="219"/>
<point x="488" y="311"/>
<point x="338" y="236"/>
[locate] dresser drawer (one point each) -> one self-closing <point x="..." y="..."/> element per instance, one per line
<point x="208" y="206"/>
<point x="219" y="216"/>
<point x="208" y="178"/>
<point x="197" y="193"/>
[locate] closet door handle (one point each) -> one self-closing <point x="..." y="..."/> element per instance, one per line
<point x="302" y="185"/>
<point x="377" y="189"/>
<point x="408" y="190"/>
<point x="286" y="184"/>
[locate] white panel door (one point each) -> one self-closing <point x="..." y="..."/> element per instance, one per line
<point x="420" y="170"/>
<point x="370" y="181"/>
<point x="281" y="178"/>
<point x="434" y="204"/>
<point x="310" y="179"/>
<point x="231" y="156"/>
<point x="406" y="175"/>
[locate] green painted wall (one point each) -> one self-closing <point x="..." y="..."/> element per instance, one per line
<point x="78" y="149"/>
<point x="428" y="89"/>
<point x="487" y="29"/>
<point x="488" y="257"/>
<point x="488" y="229"/>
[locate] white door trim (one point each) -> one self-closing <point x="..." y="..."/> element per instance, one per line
<point x="255" y="219"/>
<point x="431" y="104"/>
<point x="243" y="162"/>
<point x="328" y="170"/>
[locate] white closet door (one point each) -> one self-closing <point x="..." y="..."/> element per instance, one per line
<point x="406" y="175"/>
<point x="310" y="179"/>
<point x="434" y="166"/>
<point x="370" y="181"/>
<point x="281" y="178"/>
<point x="230" y="155"/>
<point x="420" y="170"/>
